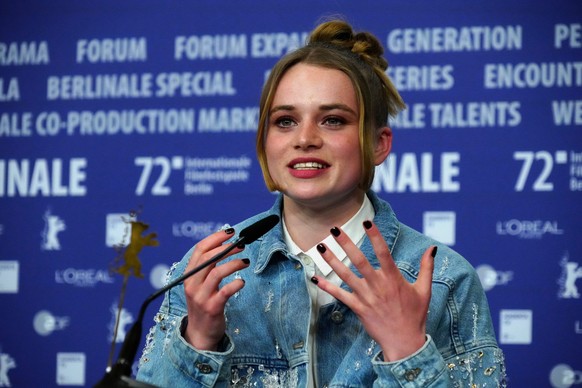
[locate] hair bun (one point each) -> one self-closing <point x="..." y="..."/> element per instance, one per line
<point x="340" y="34"/>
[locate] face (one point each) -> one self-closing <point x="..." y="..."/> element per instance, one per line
<point x="312" y="141"/>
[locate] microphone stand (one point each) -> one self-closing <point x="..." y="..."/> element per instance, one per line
<point x="118" y="374"/>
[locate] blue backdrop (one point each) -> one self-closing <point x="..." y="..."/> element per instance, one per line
<point x="111" y="110"/>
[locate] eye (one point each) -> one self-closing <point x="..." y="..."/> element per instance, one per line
<point x="284" y="122"/>
<point x="334" y="121"/>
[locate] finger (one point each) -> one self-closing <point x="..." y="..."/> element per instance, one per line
<point x="358" y="259"/>
<point x="338" y="267"/>
<point x="215" y="239"/>
<point x="424" y="281"/>
<point x="208" y="248"/>
<point x="217" y="275"/>
<point x="228" y="290"/>
<point x="200" y="266"/>
<point x="338" y="293"/>
<point x="381" y="248"/>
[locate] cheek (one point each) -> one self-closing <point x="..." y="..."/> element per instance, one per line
<point x="273" y="146"/>
<point x="269" y="149"/>
<point x="272" y="153"/>
<point x="350" y="148"/>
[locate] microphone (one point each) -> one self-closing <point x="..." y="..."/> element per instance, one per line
<point x="118" y="374"/>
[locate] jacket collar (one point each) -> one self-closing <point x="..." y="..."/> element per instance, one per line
<point x="273" y="241"/>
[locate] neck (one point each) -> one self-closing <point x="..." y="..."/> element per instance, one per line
<point x="309" y="224"/>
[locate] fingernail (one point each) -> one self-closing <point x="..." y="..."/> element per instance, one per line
<point x="320" y="248"/>
<point x="314" y="280"/>
<point x="335" y="231"/>
<point x="434" y="251"/>
<point x="367" y="224"/>
<point x="241" y="246"/>
<point x="229" y="230"/>
<point x="246" y="261"/>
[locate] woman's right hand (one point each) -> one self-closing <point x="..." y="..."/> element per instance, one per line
<point x="206" y="323"/>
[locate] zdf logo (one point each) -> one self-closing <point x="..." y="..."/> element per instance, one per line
<point x="490" y="277"/>
<point x="563" y="376"/>
<point x="45" y="323"/>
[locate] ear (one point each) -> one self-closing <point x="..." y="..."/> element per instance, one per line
<point x="383" y="145"/>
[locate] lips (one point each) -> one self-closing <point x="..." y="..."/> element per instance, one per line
<point x="308" y="166"/>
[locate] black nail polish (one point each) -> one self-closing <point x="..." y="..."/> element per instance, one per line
<point x="367" y="224"/>
<point x="246" y="261"/>
<point x="335" y="231"/>
<point x="229" y="230"/>
<point x="434" y="251"/>
<point x="241" y="246"/>
<point x="314" y="280"/>
<point x="321" y="248"/>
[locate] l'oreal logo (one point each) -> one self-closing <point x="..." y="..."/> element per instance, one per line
<point x="528" y="229"/>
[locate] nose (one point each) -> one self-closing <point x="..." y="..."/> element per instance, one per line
<point x="308" y="136"/>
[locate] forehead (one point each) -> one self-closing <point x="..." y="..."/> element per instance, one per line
<point x="306" y="82"/>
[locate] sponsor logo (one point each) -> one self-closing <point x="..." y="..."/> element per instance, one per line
<point x="71" y="368"/>
<point x="45" y="323"/>
<point x="571" y="272"/>
<point x="82" y="277"/>
<point x="158" y="275"/>
<point x="120" y="330"/>
<point x="53" y="225"/>
<point x="195" y="230"/>
<point x="6" y="363"/>
<point x="9" y="270"/>
<point x="118" y="229"/>
<point x="533" y="229"/>
<point x="563" y="376"/>
<point x="440" y="226"/>
<point x="490" y="278"/>
<point x="515" y="327"/>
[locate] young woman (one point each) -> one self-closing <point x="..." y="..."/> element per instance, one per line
<point x="339" y="293"/>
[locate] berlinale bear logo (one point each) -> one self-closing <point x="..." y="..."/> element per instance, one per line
<point x="131" y="263"/>
<point x="125" y="319"/>
<point x="571" y="272"/>
<point x="52" y="227"/>
<point x="6" y="363"/>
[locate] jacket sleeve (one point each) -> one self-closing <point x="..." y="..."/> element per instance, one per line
<point x="482" y="367"/>
<point x="461" y="349"/>
<point x="168" y="360"/>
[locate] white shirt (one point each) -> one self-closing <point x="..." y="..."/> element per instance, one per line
<point x="314" y="264"/>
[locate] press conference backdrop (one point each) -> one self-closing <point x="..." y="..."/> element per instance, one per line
<point x="114" y="111"/>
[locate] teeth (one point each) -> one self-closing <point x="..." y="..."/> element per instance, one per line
<point x="308" y="166"/>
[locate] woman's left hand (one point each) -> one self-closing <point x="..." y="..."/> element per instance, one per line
<point x="392" y="310"/>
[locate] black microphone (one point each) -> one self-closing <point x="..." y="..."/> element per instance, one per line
<point x="118" y="374"/>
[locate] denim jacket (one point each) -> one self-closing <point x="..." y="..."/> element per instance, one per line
<point x="266" y="343"/>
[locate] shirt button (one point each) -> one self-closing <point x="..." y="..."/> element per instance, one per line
<point x="204" y="368"/>
<point x="411" y="374"/>
<point x="337" y="317"/>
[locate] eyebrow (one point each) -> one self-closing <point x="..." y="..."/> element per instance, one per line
<point x="324" y="107"/>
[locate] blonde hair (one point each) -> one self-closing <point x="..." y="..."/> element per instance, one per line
<point x="335" y="45"/>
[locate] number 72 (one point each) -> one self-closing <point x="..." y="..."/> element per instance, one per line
<point x="528" y="157"/>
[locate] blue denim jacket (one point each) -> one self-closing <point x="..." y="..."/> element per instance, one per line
<point x="268" y="325"/>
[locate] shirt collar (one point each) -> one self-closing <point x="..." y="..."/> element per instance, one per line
<point x="353" y="228"/>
